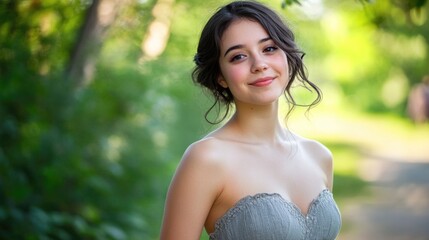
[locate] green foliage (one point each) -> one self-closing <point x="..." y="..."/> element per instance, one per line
<point x="368" y="54"/>
<point x="92" y="162"/>
<point x="74" y="164"/>
<point x="402" y="35"/>
<point x="33" y="109"/>
<point x="289" y="2"/>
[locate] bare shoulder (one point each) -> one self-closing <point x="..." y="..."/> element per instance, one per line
<point x="314" y="148"/>
<point x="205" y="152"/>
<point x="195" y="186"/>
<point x="200" y="161"/>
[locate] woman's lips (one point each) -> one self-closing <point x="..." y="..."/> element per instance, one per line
<point x="262" y="82"/>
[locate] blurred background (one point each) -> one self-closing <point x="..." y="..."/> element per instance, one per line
<point x="97" y="106"/>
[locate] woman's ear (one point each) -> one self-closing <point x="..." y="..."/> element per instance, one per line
<point x="222" y="81"/>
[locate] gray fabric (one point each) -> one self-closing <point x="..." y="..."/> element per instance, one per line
<point x="270" y="217"/>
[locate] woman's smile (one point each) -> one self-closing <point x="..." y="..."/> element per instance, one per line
<point x="262" y="82"/>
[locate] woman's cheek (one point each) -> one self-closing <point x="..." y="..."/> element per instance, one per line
<point x="236" y="74"/>
<point x="282" y="59"/>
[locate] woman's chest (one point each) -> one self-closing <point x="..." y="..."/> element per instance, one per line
<point x="269" y="216"/>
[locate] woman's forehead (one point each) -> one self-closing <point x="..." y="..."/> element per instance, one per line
<point x="241" y="31"/>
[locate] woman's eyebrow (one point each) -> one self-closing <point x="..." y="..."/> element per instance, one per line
<point x="238" y="46"/>
<point x="233" y="48"/>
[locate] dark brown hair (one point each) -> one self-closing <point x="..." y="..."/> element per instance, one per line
<point x="206" y="59"/>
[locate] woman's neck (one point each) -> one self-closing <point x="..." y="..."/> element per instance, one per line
<point x="259" y="124"/>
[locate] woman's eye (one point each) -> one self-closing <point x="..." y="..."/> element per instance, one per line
<point x="237" y="57"/>
<point x="271" y="49"/>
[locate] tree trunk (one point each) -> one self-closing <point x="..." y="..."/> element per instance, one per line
<point x="100" y="16"/>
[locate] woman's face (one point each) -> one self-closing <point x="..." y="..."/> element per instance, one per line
<point x="252" y="66"/>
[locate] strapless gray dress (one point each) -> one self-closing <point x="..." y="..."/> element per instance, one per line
<point x="267" y="216"/>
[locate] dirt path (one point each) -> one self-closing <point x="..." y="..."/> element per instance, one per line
<point x="398" y="208"/>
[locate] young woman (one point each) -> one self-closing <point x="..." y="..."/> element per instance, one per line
<point x="252" y="178"/>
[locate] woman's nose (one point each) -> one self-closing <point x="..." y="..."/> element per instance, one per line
<point x="259" y="65"/>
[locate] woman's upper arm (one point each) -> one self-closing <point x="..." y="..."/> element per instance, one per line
<point x="327" y="165"/>
<point x="323" y="157"/>
<point x="192" y="191"/>
<point x="329" y="170"/>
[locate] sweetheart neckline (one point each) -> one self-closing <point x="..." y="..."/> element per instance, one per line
<point x="256" y="196"/>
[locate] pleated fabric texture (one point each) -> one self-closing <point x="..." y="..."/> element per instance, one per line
<point x="267" y="216"/>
